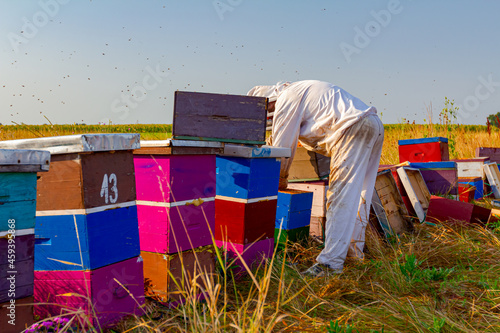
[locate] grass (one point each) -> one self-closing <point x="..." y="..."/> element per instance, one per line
<point x="443" y="278"/>
<point x="439" y="279"/>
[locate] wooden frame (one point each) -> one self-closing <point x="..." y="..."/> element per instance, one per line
<point x="493" y="176"/>
<point x="416" y="189"/>
<point x="392" y="203"/>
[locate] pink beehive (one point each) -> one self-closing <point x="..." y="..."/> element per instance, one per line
<point x="109" y="292"/>
<point x="175" y="194"/>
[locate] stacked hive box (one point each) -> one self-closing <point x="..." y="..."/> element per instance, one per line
<point x="293" y="215"/>
<point x="175" y="202"/>
<point x="87" y="239"/>
<point x="18" y="172"/>
<point x="470" y="178"/>
<point x="246" y="187"/>
<point x="318" y="210"/>
<point x="245" y="204"/>
<point x="440" y="177"/>
<point x="424" y="150"/>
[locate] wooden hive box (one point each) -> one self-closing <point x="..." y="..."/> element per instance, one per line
<point x="390" y="202"/>
<point x="97" y="212"/>
<point x="111" y="292"/>
<point x="16" y="315"/>
<point x="250" y="255"/>
<point x="18" y="174"/>
<point x="247" y="190"/>
<point x="218" y="117"/>
<point x="493" y="154"/>
<point x="293" y="209"/>
<point x="245" y="221"/>
<point x="417" y="190"/>
<point x="308" y="166"/>
<point x="176" y="184"/>
<point x="424" y="150"/>
<point x="318" y="210"/>
<point x="447" y="210"/>
<point x="319" y="189"/>
<point x="440" y="177"/>
<point x="168" y="277"/>
<point x="470" y="189"/>
<point x="247" y="178"/>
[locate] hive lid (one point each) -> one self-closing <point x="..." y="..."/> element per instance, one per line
<point x="24" y="160"/>
<point x="256" y="152"/>
<point x="434" y="165"/>
<point x="180" y="143"/>
<point x="77" y="143"/>
<point x="422" y="140"/>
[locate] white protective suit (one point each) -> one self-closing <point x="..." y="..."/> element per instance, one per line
<point x="328" y="120"/>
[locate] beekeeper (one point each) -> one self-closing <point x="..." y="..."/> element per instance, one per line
<point x="326" y="119"/>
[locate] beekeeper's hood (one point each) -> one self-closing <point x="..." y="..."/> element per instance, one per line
<point x="271" y="92"/>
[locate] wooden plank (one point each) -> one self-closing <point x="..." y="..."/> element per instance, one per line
<point x="21" y="168"/>
<point x="416" y="189"/>
<point x="493" y="176"/>
<point x="392" y="203"/>
<point x="22" y="312"/>
<point x="317" y="227"/>
<point x="64" y="176"/>
<point x="221" y="117"/>
<point x="492" y="153"/>
<point x="380" y="219"/>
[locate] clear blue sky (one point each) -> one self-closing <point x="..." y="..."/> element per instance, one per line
<point x="92" y="61"/>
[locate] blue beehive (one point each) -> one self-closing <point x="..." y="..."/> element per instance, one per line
<point x="294" y="209"/>
<point x="82" y="241"/>
<point x="247" y="178"/>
